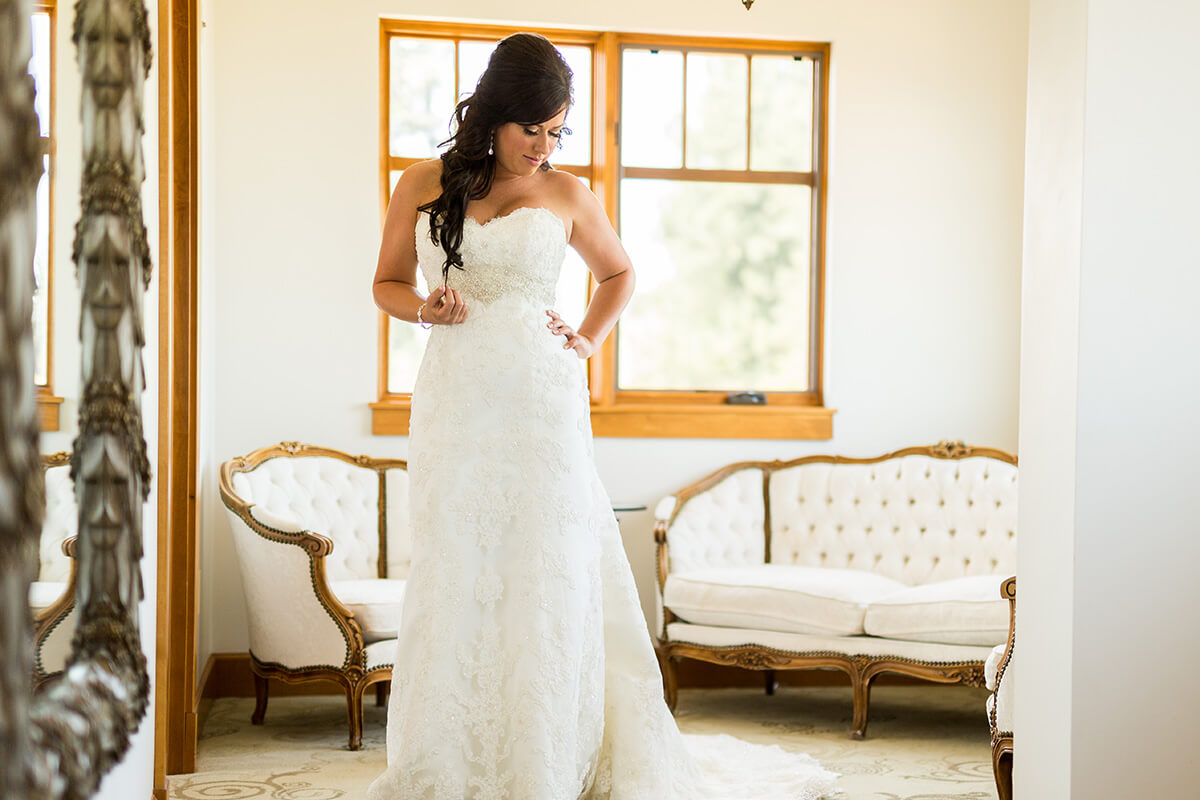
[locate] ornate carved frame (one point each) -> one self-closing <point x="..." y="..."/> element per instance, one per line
<point x="861" y="669"/>
<point x="62" y="741"/>
<point x="352" y="674"/>
<point x="1002" y="741"/>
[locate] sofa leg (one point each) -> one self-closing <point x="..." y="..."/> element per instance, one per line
<point x="354" y="713"/>
<point x="1002" y="766"/>
<point x="261" y="687"/>
<point x="670" y="688"/>
<point x="381" y="693"/>
<point x="769" y="680"/>
<point x="862" y="704"/>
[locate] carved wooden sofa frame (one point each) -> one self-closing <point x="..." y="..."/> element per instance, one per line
<point x="861" y="669"/>
<point x="1002" y="741"/>
<point x="352" y="674"/>
<point x="56" y="614"/>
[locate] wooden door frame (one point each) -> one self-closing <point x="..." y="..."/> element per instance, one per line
<point x="176" y="697"/>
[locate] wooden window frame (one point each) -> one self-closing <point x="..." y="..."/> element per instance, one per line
<point x="49" y="403"/>
<point x="630" y="413"/>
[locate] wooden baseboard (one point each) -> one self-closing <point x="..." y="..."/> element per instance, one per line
<point x="229" y="675"/>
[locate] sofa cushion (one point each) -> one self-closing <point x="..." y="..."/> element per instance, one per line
<point x="959" y="611"/>
<point x="777" y="597"/>
<point x="43" y="594"/>
<point x="376" y="603"/>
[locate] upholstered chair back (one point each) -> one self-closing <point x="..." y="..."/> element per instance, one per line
<point x="916" y="519"/>
<point x="918" y="516"/>
<point x="720" y="524"/>
<point x="345" y="501"/>
<point x="61" y="521"/>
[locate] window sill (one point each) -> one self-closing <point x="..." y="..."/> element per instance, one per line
<point x="48" y="406"/>
<point x="636" y="420"/>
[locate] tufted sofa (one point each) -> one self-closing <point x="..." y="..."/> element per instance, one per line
<point x="887" y="564"/>
<point x="323" y="546"/>
<point x="52" y="595"/>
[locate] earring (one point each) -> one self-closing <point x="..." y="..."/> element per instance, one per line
<point x="491" y="144"/>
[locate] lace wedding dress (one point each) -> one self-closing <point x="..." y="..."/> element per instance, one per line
<point x="524" y="670"/>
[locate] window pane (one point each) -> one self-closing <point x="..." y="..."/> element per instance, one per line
<point x="472" y="61"/>
<point x="781" y="101"/>
<point x="716" y="111"/>
<point x="406" y="346"/>
<point x="571" y="297"/>
<point x="39" y="68"/>
<point x="723" y="286"/>
<point x="651" y="108"/>
<point x="422" y="95"/>
<point x="577" y="148"/>
<point x="41" y="277"/>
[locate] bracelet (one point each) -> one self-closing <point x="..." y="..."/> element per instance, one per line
<point x="421" y="322"/>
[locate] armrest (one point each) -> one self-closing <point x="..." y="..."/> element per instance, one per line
<point x="1000" y="719"/>
<point x="294" y="618"/>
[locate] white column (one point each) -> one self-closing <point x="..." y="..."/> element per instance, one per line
<point x="1110" y="504"/>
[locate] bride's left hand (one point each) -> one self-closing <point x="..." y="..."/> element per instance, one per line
<point x="582" y="345"/>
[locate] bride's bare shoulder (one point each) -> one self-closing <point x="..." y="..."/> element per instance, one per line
<point x="421" y="182"/>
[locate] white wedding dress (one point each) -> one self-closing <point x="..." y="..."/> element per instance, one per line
<point x="524" y="670"/>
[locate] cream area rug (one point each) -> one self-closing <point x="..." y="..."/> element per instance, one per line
<point x="923" y="742"/>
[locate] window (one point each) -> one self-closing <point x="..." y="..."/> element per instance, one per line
<point x="41" y="67"/>
<point x="711" y="166"/>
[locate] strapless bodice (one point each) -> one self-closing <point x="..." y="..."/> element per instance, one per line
<point x="519" y="252"/>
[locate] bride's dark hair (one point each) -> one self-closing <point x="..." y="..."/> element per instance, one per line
<point x="527" y="81"/>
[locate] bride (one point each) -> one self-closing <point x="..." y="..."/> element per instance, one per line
<point x="524" y="669"/>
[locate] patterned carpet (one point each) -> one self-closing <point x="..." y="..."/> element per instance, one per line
<point x="923" y="743"/>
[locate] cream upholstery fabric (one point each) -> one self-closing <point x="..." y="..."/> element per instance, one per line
<point x="399" y="541"/>
<point x="42" y="594"/>
<point x="61" y="522"/>
<point x="288" y="624"/>
<point x="1004" y="714"/>
<point x="57" y="644"/>
<point x="804" y="643"/>
<point x="381" y="654"/>
<point x="959" y="611"/>
<point x="721" y="527"/>
<point x="331" y="497"/>
<point x="915" y="519"/>
<point x="375" y="603"/>
<point x="777" y="597"/>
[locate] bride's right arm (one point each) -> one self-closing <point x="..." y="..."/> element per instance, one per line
<point x="395" y="286"/>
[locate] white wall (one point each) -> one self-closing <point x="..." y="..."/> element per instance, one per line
<point x="924" y="234"/>
<point x="134" y="776"/>
<point x="1108" y="425"/>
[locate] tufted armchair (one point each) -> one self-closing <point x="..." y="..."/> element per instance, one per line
<point x="323" y="546"/>
<point x="887" y="564"/>
<point x="999" y="675"/>
<point x="52" y="595"/>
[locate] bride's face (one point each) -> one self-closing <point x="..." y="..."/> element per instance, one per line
<point x="521" y="149"/>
